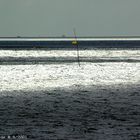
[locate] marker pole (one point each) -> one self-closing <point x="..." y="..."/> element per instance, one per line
<point x="77" y="46"/>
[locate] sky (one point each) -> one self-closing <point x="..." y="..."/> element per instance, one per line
<point x="59" y="17"/>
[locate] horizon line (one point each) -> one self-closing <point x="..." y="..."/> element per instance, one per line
<point x="121" y="36"/>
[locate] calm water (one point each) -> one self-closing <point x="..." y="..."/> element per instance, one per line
<point x="43" y="96"/>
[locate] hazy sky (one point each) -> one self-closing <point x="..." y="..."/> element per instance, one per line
<point x="58" y="17"/>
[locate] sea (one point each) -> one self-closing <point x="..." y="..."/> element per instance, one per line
<point x="90" y="94"/>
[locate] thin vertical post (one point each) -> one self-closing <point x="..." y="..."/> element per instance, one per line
<point x="77" y="46"/>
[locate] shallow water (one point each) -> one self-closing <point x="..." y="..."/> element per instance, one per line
<point x="65" y="101"/>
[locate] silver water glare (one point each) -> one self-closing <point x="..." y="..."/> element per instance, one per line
<point x="45" y="76"/>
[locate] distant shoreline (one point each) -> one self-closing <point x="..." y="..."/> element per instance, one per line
<point x="70" y="37"/>
<point x="112" y="38"/>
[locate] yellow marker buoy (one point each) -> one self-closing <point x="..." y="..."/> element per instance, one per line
<point x="74" y="42"/>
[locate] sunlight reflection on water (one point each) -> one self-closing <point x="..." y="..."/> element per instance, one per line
<point x="26" y="77"/>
